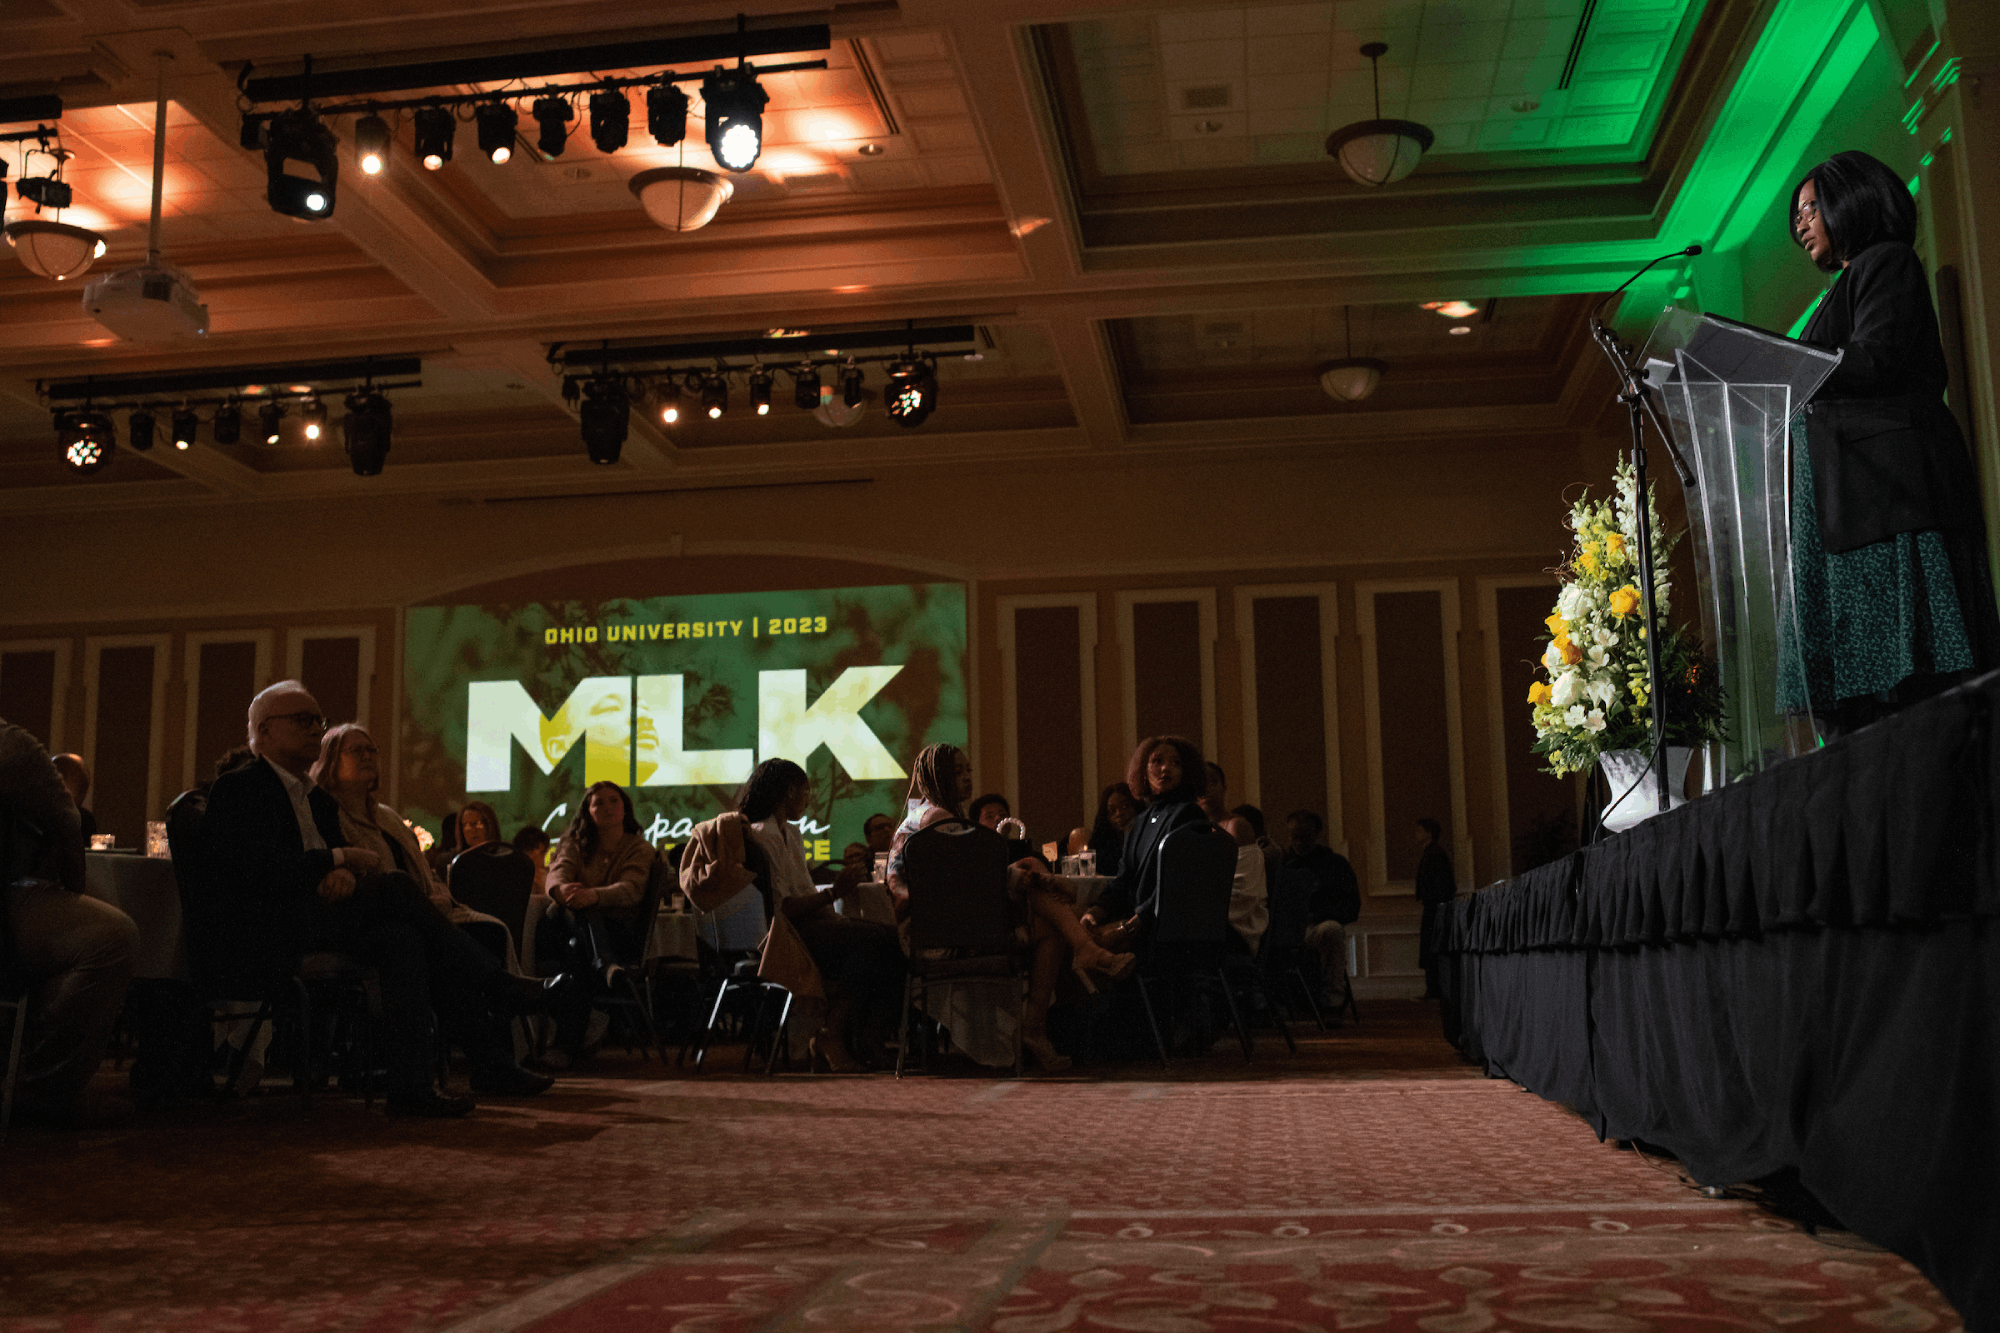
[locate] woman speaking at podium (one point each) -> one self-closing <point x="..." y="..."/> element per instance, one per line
<point x="1888" y="542"/>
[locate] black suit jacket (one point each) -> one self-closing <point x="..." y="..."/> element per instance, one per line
<point x="262" y="884"/>
<point x="1887" y="454"/>
<point x="1138" y="880"/>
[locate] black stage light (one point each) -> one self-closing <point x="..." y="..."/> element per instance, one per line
<point x="666" y="114"/>
<point x="313" y="414"/>
<point x="495" y="124"/>
<point x="553" y="114"/>
<point x="436" y="127"/>
<point x="371" y="144"/>
<point x="250" y="136"/>
<point x="850" y="386"/>
<point x="714" y="396"/>
<point x="670" y="404"/>
<point x="44" y="192"/>
<point x="805" y="387"/>
<point x="186" y="423"/>
<point x="366" y="428"/>
<point x="606" y="418"/>
<point x="139" y="429"/>
<point x="610" y="120"/>
<point x="298" y="136"/>
<point x="760" y="391"/>
<point x="229" y="422"/>
<point x="734" y="101"/>
<point x="911" y="393"/>
<point x="88" y="440"/>
<point x="270" y="421"/>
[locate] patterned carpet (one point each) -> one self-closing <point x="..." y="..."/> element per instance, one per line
<point x="1371" y="1181"/>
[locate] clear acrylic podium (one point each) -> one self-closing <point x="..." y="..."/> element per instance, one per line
<point x="1728" y="392"/>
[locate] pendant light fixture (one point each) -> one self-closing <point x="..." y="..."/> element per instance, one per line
<point x="1378" y="151"/>
<point x="1351" y="378"/>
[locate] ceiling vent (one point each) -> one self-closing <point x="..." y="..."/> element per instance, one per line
<point x="826" y="180"/>
<point x="1207" y="97"/>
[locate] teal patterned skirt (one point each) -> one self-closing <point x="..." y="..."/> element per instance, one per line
<point x="1918" y="603"/>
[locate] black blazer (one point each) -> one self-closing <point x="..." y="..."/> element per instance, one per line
<point x="1887" y="454"/>
<point x="262" y="884"/>
<point x="1138" y="879"/>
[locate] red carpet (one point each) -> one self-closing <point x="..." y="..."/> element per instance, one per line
<point x="1369" y="1182"/>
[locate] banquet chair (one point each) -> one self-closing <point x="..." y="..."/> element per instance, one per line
<point x="495" y="879"/>
<point x="1281" y="953"/>
<point x="957" y="875"/>
<point x="730" y="956"/>
<point x="15" y="1001"/>
<point x="1191" y="933"/>
<point x="632" y="993"/>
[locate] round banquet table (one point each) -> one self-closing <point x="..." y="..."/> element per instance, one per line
<point x="143" y="888"/>
<point x="672" y="936"/>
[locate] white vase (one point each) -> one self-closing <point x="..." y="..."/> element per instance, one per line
<point x="1624" y="768"/>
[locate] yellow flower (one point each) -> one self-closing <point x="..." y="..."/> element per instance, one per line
<point x="1587" y="560"/>
<point x="1625" y="601"/>
<point x="1539" y="692"/>
<point x="1571" y="654"/>
<point x="1614" y="544"/>
<point x="1556" y="624"/>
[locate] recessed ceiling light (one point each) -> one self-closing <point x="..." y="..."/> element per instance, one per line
<point x="1453" y="309"/>
<point x="1457" y="329"/>
<point x="870" y="150"/>
<point x="1527" y="104"/>
<point x="1208" y="126"/>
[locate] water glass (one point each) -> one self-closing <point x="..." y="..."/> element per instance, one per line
<point x="102" y="842"/>
<point x="156" y="840"/>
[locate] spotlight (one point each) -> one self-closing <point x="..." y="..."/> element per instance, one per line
<point x="366" y="428"/>
<point x="606" y="409"/>
<point x="436" y="128"/>
<point x="313" y="414"/>
<point x="228" y="426"/>
<point x="734" y="101"/>
<point x="610" y="120"/>
<point x="805" y="387"/>
<point x="911" y="394"/>
<point x="88" y="440"/>
<point x="760" y="391"/>
<point x="670" y="404"/>
<point x="371" y="144"/>
<point x="553" y="114"/>
<point x="270" y="419"/>
<point x="139" y="430"/>
<point x="666" y="114"/>
<point x="186" y="423"/>
<point x="495" y="123"/>
<point x="714" y="396"/>
<point x="298" y="136"/>
<point x="850" y="387"/>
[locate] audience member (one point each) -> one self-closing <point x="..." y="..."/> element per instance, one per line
<point x="1115" y="811"/>
<point x="76" y="780"/>
<point x="446" y="847"/>
<point x="878" y="831"/>
<point x="1045" y="916"/>
<point x="596" y="884"/>
<point x="1335" y="903"/>
<point x="533" y="843"/>
<point x="1250" y="891"/>
<point x="987" y="811"/>
<point x="1436" y="886"/>
<point x="859" y="961"/>
<point x="284" y="876"/>
<point x="1168" y="773"/>
<point x="349" y="768"/>
<point x="73" y="952"/>
<point x="478" y="824"/>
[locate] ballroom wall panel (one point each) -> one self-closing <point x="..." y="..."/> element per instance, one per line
<point x="29" y="688"/>
<point x="1048" y="684"/>
<point x="1291" y="721"/>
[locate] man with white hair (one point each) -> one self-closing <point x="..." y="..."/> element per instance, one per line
<point x="285" y="883"/>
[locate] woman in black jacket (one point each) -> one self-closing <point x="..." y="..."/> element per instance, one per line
<point x="1169" y="775"/>
<point x="1894" y="602"/>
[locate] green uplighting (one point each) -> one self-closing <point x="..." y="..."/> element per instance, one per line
<point x="1914" y="182"/>
<point x="1800" y="326"/>
<point x="1921" y="63"/>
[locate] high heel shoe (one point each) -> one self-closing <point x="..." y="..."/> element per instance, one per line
<point x="1050" y="1059"/>
<point x="1112" y="967"/>
<point x="829" y="1055"/>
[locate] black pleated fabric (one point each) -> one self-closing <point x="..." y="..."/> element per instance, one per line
<point x="1800" y="971"/>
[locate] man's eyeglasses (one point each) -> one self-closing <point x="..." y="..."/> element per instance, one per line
<point x="310" y="721"/>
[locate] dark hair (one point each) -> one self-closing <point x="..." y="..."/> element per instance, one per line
<point x="981" y="802"/>
<point x="486" y="812"/>
<point x="1104" y="833"/>
<point x="1310" y="817"/>
<point x="769" y="786"/>
<point x="1252" y="816"/>
<point x="1194" y="770"/>
<point x="869" y="822"/>
<point x="581" y="831"/>
<point x="1219" y="778"/>
<point x="933" y="778"/>
<point x="1432" y="827"/>
<point x="1861" y="202"/>
<point x="529" y="837"/>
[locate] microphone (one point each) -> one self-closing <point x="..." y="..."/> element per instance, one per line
<point x="1677" y="254"/>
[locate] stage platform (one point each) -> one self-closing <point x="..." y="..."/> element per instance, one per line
<point x="1799" y="971"/>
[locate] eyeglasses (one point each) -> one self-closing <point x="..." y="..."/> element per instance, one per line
<point x="361" y="751"/>
<point x="1809" y="209"/>
<point x="310" y="721"/>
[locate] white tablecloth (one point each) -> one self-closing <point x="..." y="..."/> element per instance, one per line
<point x="143" y="888"/>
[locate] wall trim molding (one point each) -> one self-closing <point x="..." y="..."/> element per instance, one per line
<point x="1246" y="598"/>
<point x="194" y="641"/>
<point x="1204" y="600"/>
<point x="1496" y="722"/>
<point x="1010" y="706"/>
<point x="295" y="656"/>
<point x="59" y="690"/>
<point x="1364" y="614"/>
<point x="93" y="654"/>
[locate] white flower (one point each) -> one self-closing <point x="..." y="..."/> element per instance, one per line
<point x="1593" y="720"/>
<point x="1575" y="716"/>
<point x="1603" y="637"/>
<point x="1601" y="692"/>
<point x="1552" y="658"/>
<point x="1572" y="603"/>
<point x="1568" y="686"/>
<point x="1596" y="657"/>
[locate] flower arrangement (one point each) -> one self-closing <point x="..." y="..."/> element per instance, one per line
<point x="1594" y="699"/>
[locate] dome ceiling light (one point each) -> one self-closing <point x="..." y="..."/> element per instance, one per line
<point x="681" y="198"/>
<point x="1378" y="152"/>
<point x="54" y="249"/>
<point x="1352" y="378"/>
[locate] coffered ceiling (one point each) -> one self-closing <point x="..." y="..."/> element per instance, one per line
<point x="1132" y="204"/>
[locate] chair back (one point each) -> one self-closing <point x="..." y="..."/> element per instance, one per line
<point x="1197" y="869"/>
<point x="631" y="938"/>
<point x="1290" y="903"/>
<point x="495" y="879"/>
<point x="202" y="934"/>
<point x="957" y="873"/>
